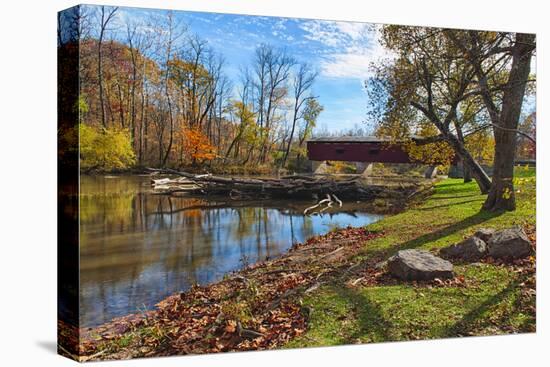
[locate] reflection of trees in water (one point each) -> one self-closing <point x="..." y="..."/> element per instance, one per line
<point x="247" y="229"/>
<point x="132" y="252"/>
<point x="307" y="227"/>
<point x="111" y="201"/>
<point x="190" y="238"/>
<point x="125" y="228"/>
<point x="129" y="226"/>
<point x="253" y="228"/>
<point x="138" y="248"/>
<point x="114" y="211"/>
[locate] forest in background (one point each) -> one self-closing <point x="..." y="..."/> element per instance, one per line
<point x="155" y="94"/>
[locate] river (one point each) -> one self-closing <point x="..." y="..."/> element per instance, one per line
<point x="137" y="248"/>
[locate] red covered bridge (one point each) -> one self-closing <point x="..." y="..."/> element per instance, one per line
<point x="362" y="150"/>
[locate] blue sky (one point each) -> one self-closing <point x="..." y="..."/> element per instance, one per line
<point x="340" y="51"/>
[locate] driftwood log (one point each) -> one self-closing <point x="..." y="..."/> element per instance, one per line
<point x="288" y="187"/>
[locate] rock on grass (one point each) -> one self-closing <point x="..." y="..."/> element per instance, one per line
<point x="485" y="234"/>
<point x="471" y="249"/>
<point x="510" y="243"/>
<point x="419" y="265"/>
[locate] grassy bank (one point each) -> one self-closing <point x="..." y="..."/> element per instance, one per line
<point x="488" y="298"/>
<point x="329" y="290"/>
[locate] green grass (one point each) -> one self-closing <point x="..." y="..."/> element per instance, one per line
<point x="491" y="302"/>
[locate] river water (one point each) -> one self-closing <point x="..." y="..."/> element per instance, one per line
<point x="138" y="248"/>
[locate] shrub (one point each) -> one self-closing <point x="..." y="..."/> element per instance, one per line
<point x="105" y="149"/>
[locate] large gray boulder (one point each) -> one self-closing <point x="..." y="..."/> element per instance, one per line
<point x="471" y="249"/>
<point x="510" y="243"/>
<point x="419" y="265"/>
<point x="485" y="234"/>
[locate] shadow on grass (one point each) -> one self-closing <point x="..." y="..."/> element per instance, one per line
<point x="450" y="204"/>
<point x="450" y="197"/>
<point x="420" y="241"/>
<point x="467" y="322"/>
<point x="447" y="184"/>
<point x="454" y="188"/>
<point x="369" y="316"/>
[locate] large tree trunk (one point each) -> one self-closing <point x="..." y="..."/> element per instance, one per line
<point x="234" y="142"/>
<point x="171" y="138"/>
<point x="121" y="108"/>
<point x="501" y="195"/>
<point x="468" y="162"/>
<point x="133" y="99"/>
<point x="141" y="125"/>
<point x="466" y="171"/>
<point x="467" y="174"/>
<point x="168" y="100"/>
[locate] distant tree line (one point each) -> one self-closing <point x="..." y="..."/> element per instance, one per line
<point x="163" y="93"/>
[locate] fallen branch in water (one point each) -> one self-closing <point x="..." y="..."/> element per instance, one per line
<point x="321" y="202"/>
<point x="337" y="200"/>
<point x="332" y="190"/>
<point x="329" y="205"/>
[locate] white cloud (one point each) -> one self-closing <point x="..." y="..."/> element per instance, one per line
<point x="280" y="24"/>
<point x="350" y="47"/>
<point x="324" y="32"/>
<point x="354" y="30"/>
<point x="346" y="65"/>
<point x="353" y="62"/>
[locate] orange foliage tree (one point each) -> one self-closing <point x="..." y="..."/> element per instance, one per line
<point x="195" y="148"/>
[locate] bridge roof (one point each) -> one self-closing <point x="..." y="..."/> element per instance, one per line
<point x="348" y="139"/>
<point x="355" y="139"/>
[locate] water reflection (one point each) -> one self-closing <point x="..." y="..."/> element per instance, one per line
<point x="137" y="248"/>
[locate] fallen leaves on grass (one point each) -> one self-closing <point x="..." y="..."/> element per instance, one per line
<point x="257" y="308"/>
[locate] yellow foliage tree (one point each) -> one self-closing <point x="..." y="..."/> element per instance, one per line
<point x="105" y="149"/>
<point x="437" y="153"/>
<point x="482" y="146"/>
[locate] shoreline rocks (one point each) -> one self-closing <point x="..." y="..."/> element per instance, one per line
<point x="510" y="243"/>
<point x="471" y="249"/>
<point x="419" y="265"/>
<point x="485" y="234"/>
<point x="506" y="244"/>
